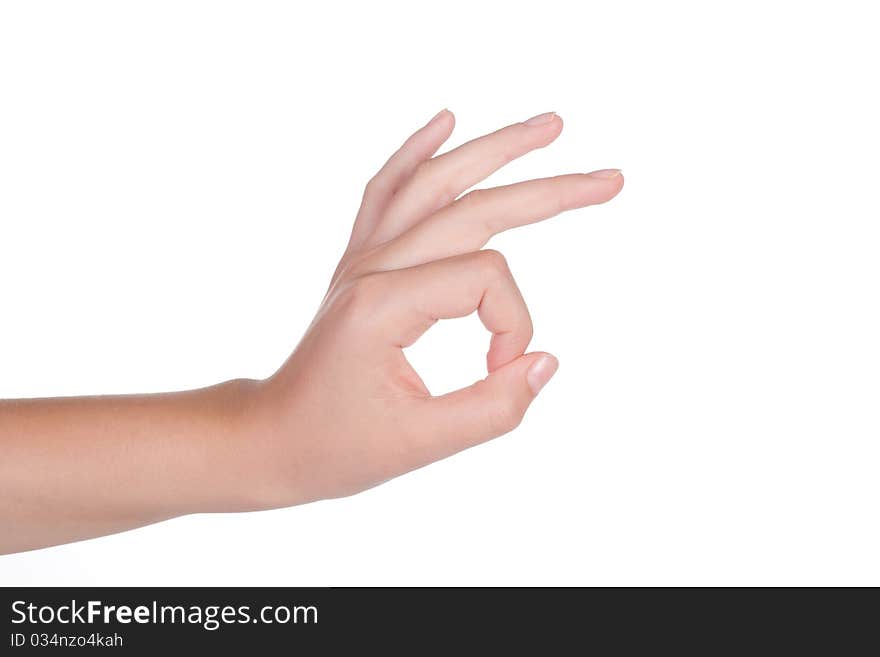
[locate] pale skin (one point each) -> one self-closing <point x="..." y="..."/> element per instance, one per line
<point x="346" y="411"/>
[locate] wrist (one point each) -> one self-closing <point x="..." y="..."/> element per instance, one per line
<point x="252" y="452"/>
<point x="229" y="458"/>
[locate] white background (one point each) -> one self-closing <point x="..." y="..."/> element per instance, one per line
<point x="177" y="181"/>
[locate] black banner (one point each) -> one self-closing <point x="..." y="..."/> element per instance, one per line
<point x="333" y="621"/>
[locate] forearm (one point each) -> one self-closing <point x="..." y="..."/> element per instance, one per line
<point x="77" y="467"/>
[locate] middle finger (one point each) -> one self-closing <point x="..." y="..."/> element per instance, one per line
<point x="470" y="222"/>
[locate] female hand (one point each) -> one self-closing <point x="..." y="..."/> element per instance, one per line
<point x="347" y="411"/>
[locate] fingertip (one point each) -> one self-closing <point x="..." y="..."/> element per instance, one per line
<point x="451" y="119"/>
<point x="545" y="127"/>
<point x="424" y="143"/>
<point x="445" y="118"/>
<point x="541" y="371"/>
<point x="558" y="125"/>
<point x="611" y="179"/>
<point x="554" y="129"/>
<point x="618" y="184"/>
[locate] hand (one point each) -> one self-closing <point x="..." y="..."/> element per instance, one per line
<point x="347" y="411"/>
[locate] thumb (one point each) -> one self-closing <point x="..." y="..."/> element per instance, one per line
<point x="491" y="407"/>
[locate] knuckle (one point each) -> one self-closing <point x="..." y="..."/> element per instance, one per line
<point x="373" y="186"/>
<point x="474" y="202"/>
<point x="563" y="200"/>
<point x="424" y="168"/>
<point x="446" y="194"/>
<point x="363" y="291"/>
<point x="473" y="197"/>
<point x="505" y="415"/>
<point x="354" y="267"/>
<point x="346" y="271"/>
<point x="528" y="328"/>
<point x="431" y="178"/>
<point x="495" y="262"/>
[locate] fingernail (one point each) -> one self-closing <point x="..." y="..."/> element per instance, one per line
<point x="605" y="173"/>
<point x="541" y="371"/>
<point x="541" y="119"/>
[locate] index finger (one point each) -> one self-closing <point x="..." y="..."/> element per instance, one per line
<point x="417" y="297"/>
